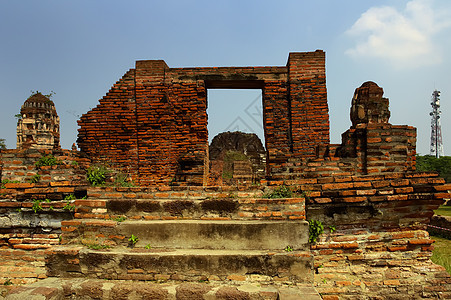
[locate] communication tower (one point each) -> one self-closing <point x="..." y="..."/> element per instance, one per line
<point x="436" y="129"/>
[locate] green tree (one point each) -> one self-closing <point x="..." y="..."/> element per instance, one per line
<point x="2" y="144"/>
<point x="441" y="165"/>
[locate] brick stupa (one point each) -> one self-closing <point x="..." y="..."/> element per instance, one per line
<point x="38" y="126"/>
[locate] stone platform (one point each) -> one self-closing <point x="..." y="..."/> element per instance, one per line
<point x="187" y="246"/>
<point x="56" y="289"/>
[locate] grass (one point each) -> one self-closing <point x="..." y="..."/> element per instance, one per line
<point x="442" y="252"/>
<point x="442" y="246"/>
<point x="443" y="211"/>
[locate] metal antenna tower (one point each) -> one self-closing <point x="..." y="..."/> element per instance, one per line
<point x="436" y="129"/>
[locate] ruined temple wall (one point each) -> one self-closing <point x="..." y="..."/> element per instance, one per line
<point x="371" y="149"/>
<point x="379" y="246"/>
<point x="152" y="124"/>
<point x="108" y="132"/>
<point x="172" y="126"/>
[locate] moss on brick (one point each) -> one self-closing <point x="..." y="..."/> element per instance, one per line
<point x="177" y="207"/>
<point x="148" y="206"/>
<point x="120" y="206"/>
<point x="220" y="205"/>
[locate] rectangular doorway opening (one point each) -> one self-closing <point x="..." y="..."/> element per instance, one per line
<point x="236" y="136"/>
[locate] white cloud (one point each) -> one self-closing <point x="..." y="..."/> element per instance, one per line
<point x="403" y="38"/>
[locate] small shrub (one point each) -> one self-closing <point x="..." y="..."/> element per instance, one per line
<point x="70" y="197"/>
<point x="48" y="160"/>
<point x="305" y="195"/>
<point x="232" y="195"/>
<point x="119" y="219"/>
<point x="288" y="249"/>
<point x="3" y="143"/>
<point x="7" y="282"/>
<point x="123" y="180"/>
<point x="316" y="228"/>
<point x="133" y="240"/>
<point x="69" y="207"/>
<point x="332" y="228"/>
<point x="282" y="191"/>
<point x="37" y="205"/>
<point x="35" y="178"/>
<point x="148" y="246"/>
<point x="96" y="175"/>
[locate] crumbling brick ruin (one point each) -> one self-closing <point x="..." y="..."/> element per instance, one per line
<point x="229" y="241"/>
<point x="236" y="157"/>
<point x="153" y="122"/>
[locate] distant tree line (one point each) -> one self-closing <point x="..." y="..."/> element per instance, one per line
<point x="441" y="165"/>
<point x="2" y="144"/>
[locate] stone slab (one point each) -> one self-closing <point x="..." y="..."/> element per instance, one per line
<point x="183" y="264"/>
<point x="209" y="234"/>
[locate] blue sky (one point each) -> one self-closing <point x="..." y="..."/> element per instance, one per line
<point x="79" y="49"/>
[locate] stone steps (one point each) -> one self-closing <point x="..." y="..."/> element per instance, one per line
<point x="250" y="208"/>
<point x="239" y="248"/>
<point x="182" y="264"/>
<point x="78" y="288"/>
<point x="197" y="234"/>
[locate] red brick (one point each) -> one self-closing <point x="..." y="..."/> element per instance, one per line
<point x="337" y="186"/>
<point x="236" y="277"/>
<point x="420" y="241"/>
<point x="344" y="238"/>
<point x="30" y="246"/>
<point x="18" y="185"/>
<point x="90" y="203"/>
<point x="403" y="235"/>
<point x="397" y="248"/>
<point x="65" y="190"/>
<point x="354" y="199"/>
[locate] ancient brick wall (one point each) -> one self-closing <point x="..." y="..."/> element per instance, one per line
<point x="25" y="236"/>
<point x="31" y="213"/>
<point x="379" y="246"/>
<point x="153" y="122"/>
<point x="109" y="131"/>
<point x="18" y="170"/>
